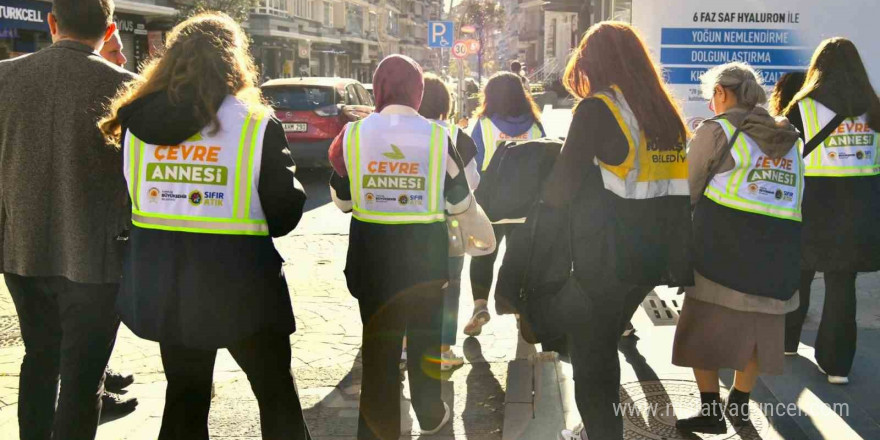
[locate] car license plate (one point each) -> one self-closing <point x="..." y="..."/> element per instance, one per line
<point x="296" y="127"/>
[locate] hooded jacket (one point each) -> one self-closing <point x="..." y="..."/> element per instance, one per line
<point x="774" y="136"/>
<point x="734" y="247"/>
<point x="206" y="290"/>
<point x="509" y="125"/>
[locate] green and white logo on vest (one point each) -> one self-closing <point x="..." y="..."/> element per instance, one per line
<point x="397" y="175"/>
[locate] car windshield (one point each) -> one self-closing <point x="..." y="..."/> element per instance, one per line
<point x="299" y="98"/>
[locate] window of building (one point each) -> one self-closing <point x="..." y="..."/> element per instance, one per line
<point x="354" y="20"/>
<point x="393" y="27"/>
<point x="373" y="22"/>
<point x="272" y="7"/>
<point x="328" y="14"/>
<point x="551" y="39"/>
<point x="299" y="8"/>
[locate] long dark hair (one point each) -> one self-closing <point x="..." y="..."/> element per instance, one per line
<point x="784" y="91"/>
<point x="505" y="95"/>
<point x="436" y="101"/>
<point x="838" y="79"/>
<point x="612" y="53"/>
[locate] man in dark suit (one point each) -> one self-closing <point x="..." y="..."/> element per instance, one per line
<point x="63" y="206"/>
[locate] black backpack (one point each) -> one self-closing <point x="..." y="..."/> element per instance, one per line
<point x="512" y="183"/>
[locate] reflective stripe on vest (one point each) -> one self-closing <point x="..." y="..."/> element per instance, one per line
<point x="394" y="178"/>
<point x="204" y="185"/>
<point x="644" y="174"/>
<point x="850" y="151"/>
<point x="757" y="183"/>
<point x="493" y="137"/>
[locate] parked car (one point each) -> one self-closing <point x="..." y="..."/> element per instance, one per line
<point x="369" y="88"/>
<point x="313" y="111"/>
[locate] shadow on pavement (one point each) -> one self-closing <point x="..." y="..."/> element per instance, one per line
<point x="483" y="415"/>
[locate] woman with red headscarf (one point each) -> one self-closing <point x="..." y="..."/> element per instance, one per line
<point x="399" y="175"/>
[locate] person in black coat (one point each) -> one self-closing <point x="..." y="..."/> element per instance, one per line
<point x="197" y="277"/>
<point x="841" y="209"/>
<point x="621" y="236"/>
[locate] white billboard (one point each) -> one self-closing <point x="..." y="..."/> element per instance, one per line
<point x="775" y="36"/>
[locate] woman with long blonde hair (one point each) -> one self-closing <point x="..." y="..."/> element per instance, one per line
<point x="210" y="185"/>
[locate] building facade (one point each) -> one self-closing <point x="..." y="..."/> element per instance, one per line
<point x="542" y="33"/>
<point x="345" y="38"/>
<point x="142" y="24"/>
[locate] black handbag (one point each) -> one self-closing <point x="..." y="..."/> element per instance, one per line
<point x="545" y="307"/>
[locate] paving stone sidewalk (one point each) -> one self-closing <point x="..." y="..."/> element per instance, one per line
<point x="325" y="357"/>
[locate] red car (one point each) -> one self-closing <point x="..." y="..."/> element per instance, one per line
<point x="314" y="110"/>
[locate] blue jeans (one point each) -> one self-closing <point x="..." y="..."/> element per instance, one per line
<point x="450" y="301"/>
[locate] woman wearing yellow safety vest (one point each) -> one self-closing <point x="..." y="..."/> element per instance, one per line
<point x="437" y="106"/>
<point x="507" y="113"/>
<point x="838" y="114"/>
<point x="210" y="185"/>
<point x="747" y="226"/>
<point x="622" y="178"/>
<point x="399" y="175"/>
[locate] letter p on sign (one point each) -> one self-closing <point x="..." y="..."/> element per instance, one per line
<point x="440" y="33"/>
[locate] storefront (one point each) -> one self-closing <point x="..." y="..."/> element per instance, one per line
<point x="133" y="33"/>
<point x="24" y="27"/>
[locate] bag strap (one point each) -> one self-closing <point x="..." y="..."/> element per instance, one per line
<point x="823" y="134"/>
<point x="718" y="161"/>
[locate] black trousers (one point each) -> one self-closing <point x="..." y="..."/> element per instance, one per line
<point x="418" y="312"/>
<point x="483" y="268"/>
<point x="68" y="330"/>
<point x="593" y="332"/>
<point x="836" y="341"/>
<point x="265" y="359"/>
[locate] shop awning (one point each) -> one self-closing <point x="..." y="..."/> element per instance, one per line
<point x="293" y="36"/>
<point x="145" y="9"/>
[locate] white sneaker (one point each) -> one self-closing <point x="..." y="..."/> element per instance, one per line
<point x="578" y="433"/>
<point x="450" y="360"/>
<point x="835" y="380"/>
<point x="443" y="422"/>
<point x="480" y="317"/>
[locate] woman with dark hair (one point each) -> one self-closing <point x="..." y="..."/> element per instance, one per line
<point x="838" y="114"/>
<point x="437" y="106"/>
<point x="399" y="176"/>
<point x="201" y="272"/>
<point x="621" y="179"/>
<point x="784" y="90"/>
<point x="507" y="113"/>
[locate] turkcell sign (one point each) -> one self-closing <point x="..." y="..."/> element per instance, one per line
<point x="441" y="34"/>
<point x="688" y="37"/>
<point x="22" y="14"/>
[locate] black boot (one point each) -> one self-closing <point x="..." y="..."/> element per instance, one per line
<point x="738" y="408"/>
<point x="710" y="419"/>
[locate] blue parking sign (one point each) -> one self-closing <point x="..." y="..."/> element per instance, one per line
<point x="440" y="33"/>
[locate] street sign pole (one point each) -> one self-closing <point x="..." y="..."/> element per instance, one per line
<point x="461" y="98"/>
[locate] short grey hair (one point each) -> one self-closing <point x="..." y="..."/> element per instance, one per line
<point x="740" y="78"/>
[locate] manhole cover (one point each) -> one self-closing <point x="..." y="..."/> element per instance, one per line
<point x="650" y="409"/>
<point x="10" y="335"/>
